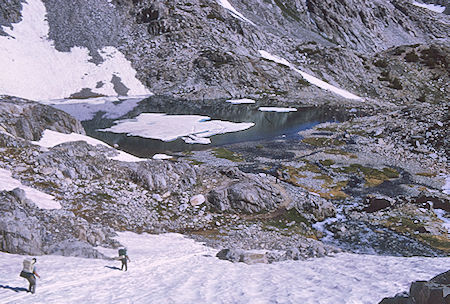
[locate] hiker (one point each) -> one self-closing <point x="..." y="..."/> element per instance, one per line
<point x="123" y="257"/>
<point x="29" y="273"/>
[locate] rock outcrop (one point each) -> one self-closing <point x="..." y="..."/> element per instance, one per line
<point x="198" y="50"/>
<point x="434" y="291"/>
<point x="27" y="119"/>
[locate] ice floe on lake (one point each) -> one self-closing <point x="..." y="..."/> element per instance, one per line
<point x="277" y="109"/>
<point x="241" y="101"/>
<point x="191" y="128"/>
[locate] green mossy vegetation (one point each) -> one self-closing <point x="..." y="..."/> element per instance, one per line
<point x="310" y="167"/>
<point x="195" y="162"/>
<point x="323" y="141"/>
<point x="427" y="174"/>
<point x="227" y="154"/>
<point x="327" y="162"/>
<point x="327" y="129"/>
<point x="340" y="152"/>
<point x="287" y="217"/>
<point x="373" y="177"/>
<point x="407" y="226"/>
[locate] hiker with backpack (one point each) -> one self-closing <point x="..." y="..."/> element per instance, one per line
<point x="123" y="257"/>
<point x="29" y="272"/>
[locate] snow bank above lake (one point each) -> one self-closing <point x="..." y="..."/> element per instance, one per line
<point x="275" y="109"/>
<point x="40" y="199"/>
<point x="191" y="128"/>
<point x="226" y="4"/>
<point x="52" y="138"/>
<point x="169" y="268"/>
<point x="32" y="68"/>
<point x="311" y="79"/>
<point x="85" y="109"/>
<point x="431" y="7"/>
<point x="241" y="101"/>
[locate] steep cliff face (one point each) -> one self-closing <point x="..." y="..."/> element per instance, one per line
<point x="202" y="50"/>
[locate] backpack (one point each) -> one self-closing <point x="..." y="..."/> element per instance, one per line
<point x="123" y="251"/>
<point x="28" y="266"/>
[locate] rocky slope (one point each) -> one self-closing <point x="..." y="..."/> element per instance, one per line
<point x="371" y="182"/>
<point x="199" y="50"/>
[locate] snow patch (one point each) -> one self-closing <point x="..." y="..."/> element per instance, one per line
<point x="441" y="214"/>
<point x="226" y="4"/>
<point x="446" y="187"/>
<point x="51" y="138"/>
<point x="40" y="199"/>
<point x="161" y="156"/>
<point x="275" y="109"/>
<point x="170" y="268"/>
<point x="241" y="101"/>
<point x="32" y="68"/>
<point x="85" y="109"/>
<point x="431" y="7"/>
<point x="191" y="128"/>
<point x="311" y="79"/>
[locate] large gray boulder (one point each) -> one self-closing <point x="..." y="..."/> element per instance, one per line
<point x="434" y="291"/>
<point x="238" y="255"/>
<point x="247" y="193"/>
<point x="162" y="176"/>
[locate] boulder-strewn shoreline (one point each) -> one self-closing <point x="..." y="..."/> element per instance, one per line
<point x="370" y="184"/>
<point x="335" y="172"/>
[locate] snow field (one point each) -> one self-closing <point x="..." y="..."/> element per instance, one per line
<point x="169" y="268"/>
<point x="51" y="138"/>
<point x="227" y="5"/>
<point x="40" y="199"/>
<point x="86" y="109"/>
<point x="32" y="68"/>
<point x="431" y="7"/>
<point x="311" y="79"/>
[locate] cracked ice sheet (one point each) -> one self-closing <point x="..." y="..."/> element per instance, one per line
<point x="191" y="128"/>
<point x="226" y="4"/>
<point x="431" y="7"/>
<point x="311" y="79"/>
<point x="32" y="68"/>
<point x="170" y="268"/>
<point x="40" y="199"/>
<point x="51" y="138"/>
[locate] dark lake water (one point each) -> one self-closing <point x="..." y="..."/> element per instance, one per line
<point x="268" y="125"/>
